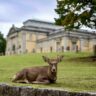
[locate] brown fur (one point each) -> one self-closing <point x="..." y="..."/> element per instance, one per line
<point x="41" y="75"/>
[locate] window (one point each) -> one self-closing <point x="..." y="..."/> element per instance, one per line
<point x="30" y="36"/>
<point x="19" y="46"/>
<point x="86" y="43"/>
<point x="74" y="46"/>
<point x="13" y="47"/>
<point x="33" y="50"/>
<point x="41" y="49"/>
<point x="77" y="49"/>
<point x="62" y="48"/>
<point x="58" y="47"/>
<point x="51" y="49"/>
<point x="26" y="51"/>
<point x="68" y="48"/>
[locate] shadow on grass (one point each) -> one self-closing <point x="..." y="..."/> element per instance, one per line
<point x="83" y="59"/>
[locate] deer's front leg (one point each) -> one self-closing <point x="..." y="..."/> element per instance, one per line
<point x="41" y="80"/>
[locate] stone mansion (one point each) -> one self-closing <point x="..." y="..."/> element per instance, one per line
<point x="40" y="36"/>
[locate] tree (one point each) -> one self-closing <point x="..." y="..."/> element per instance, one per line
<point x="2" y="44"/>
<point x="73" y="14"/>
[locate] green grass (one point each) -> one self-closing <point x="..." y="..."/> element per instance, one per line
<point x="73" y="74"/>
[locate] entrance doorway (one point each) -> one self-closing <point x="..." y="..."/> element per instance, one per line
<point x="73" y="46"/>
<point x="58" y="46"/>
<point x="13" y="49"/>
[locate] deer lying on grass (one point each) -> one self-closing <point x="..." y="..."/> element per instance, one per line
<point x="39" y="75"/>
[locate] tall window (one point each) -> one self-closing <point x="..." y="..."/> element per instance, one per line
<point x="33" y="50"/>
<point x="58" y="46"/>
<point x="68" y="48"/>
<point x="30" y="36"/>
<point x="86" y="43"/>
<point x="62" y="48"/>
<point x="51" y="49"/>
<point x="74" y="46"/>
<point x="41" y="49"/>
<point x="13" y="47"/>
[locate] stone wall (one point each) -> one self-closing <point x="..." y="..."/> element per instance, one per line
<point x="7" y="90"/>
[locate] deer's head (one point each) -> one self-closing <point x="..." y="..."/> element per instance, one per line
<point x="53" y="62"/>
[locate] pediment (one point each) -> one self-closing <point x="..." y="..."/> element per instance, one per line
<point x="13" y="29"/>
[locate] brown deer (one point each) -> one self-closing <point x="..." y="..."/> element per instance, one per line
<point x="39" y="75"/>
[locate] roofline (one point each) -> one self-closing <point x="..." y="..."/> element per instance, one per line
<point x="35" y="31"/>
<point x="41" y="21"/>
<point x="78" y="31"/>
<point x="66" y="35"/>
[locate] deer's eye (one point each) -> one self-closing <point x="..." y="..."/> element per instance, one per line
<point x="52" y="64"/>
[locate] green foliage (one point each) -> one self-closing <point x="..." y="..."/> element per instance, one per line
<point x="75" y="14"/>
<point x="2" y="44"/>
<point x="73" y="74"/>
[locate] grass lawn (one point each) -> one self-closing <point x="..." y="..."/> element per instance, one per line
<point x="73" y="74"/>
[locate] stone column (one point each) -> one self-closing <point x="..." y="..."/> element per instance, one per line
<point x="23" y="46"/>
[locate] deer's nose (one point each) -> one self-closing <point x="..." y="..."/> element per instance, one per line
<point x="54" y="70"/>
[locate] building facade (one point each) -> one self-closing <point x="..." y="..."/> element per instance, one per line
<point x="40" y="36"/>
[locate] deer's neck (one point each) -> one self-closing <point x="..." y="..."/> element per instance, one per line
<point x="52" y="75"/>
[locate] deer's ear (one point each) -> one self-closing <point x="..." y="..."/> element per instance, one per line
<point x="60" y="58"/>
<point x="46" y="59"/>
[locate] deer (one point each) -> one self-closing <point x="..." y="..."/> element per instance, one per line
<point x="40" y="74"/>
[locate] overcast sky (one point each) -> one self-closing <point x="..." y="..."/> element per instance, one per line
<point x="18" y="11"/>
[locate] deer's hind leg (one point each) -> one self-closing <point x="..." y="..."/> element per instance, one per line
<point x="15" y="78"/>
<point x="19" y="78"/>
<point x="22" y="81"/>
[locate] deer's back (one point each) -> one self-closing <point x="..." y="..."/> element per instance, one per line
<point x="34" y="72"/>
